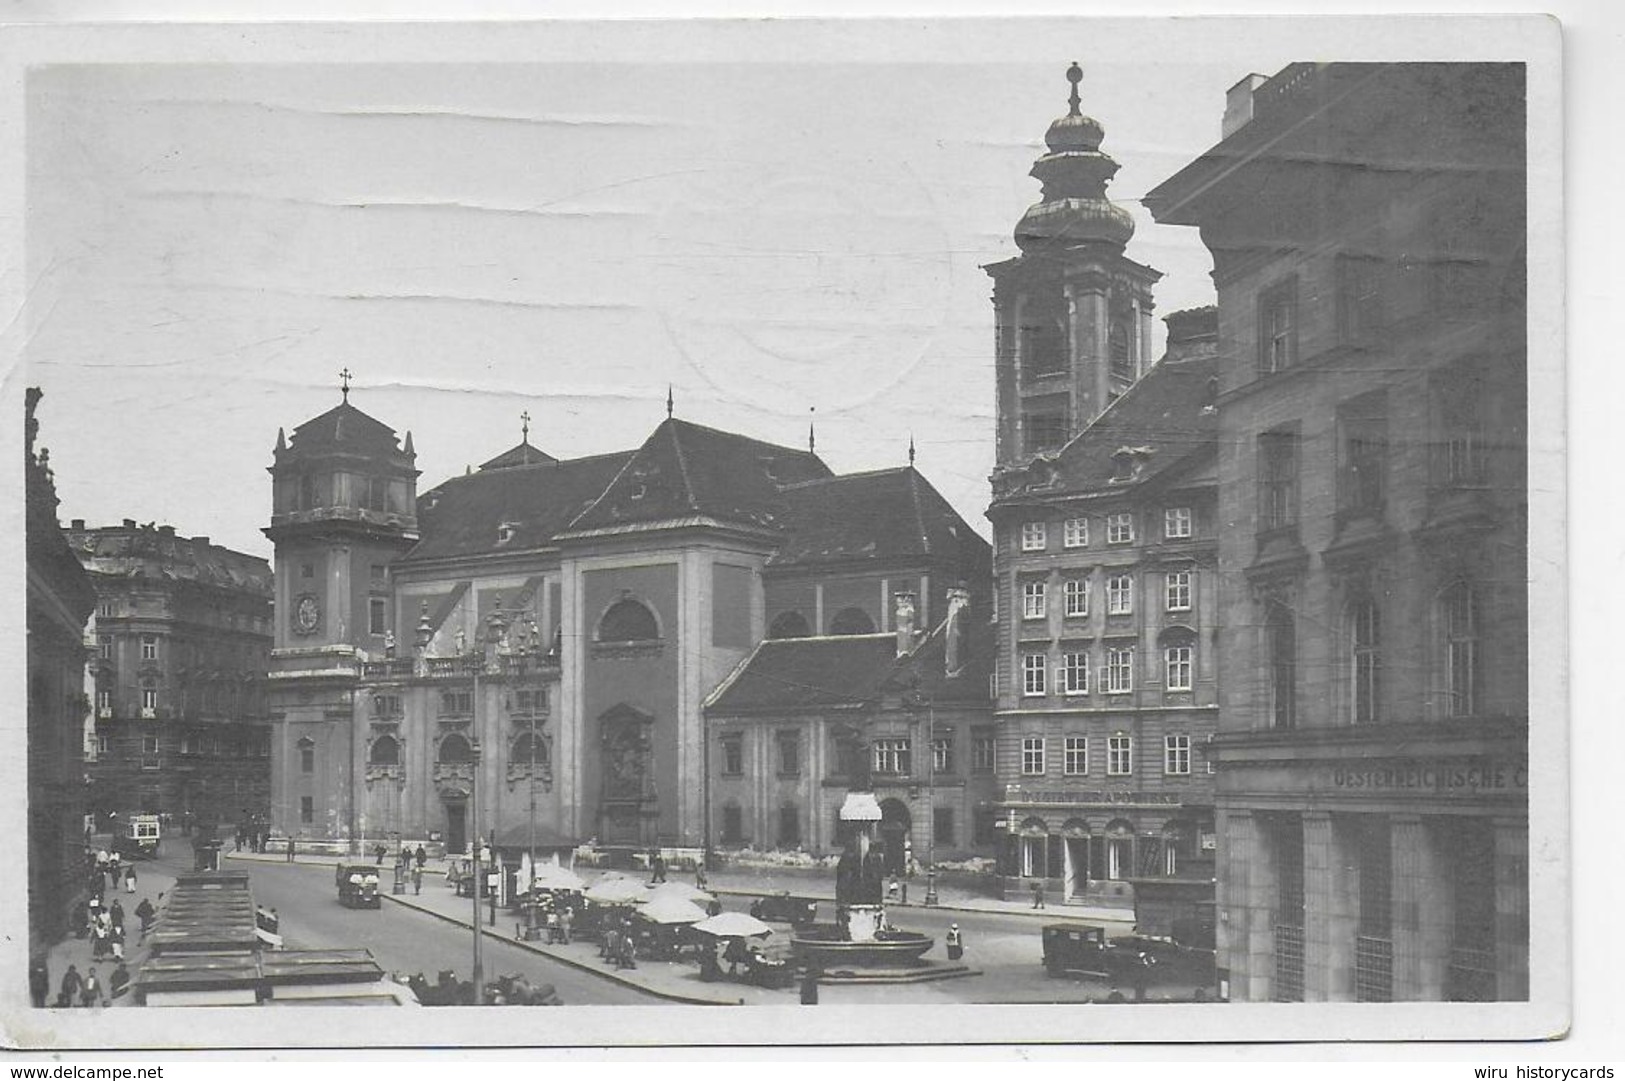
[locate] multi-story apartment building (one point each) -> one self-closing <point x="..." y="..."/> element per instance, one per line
<point x="59" y="601"/>
<point x="1104" y="542"/>
<point x="1106" y="571"/>
<point x="181" y="641"/>
<point x="1372" y="754"/>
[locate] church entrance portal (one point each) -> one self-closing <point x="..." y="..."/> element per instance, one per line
<point x="628" y="812"/>
<point x="456" y="827"/>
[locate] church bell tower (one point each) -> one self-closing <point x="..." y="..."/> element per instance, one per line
<point x="1073" y="313"/>
<point x="343" y="507"/>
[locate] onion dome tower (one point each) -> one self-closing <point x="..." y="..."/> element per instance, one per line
<point x="1073" y="313"/>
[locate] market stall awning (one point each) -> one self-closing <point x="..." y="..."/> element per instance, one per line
<point x="733" y="925"/>
<point x="672" y="910"/>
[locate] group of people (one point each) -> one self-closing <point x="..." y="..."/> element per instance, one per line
<point x="77" y="990"/>
<point x="558" y="918"/>
<point x="620" y="941"/>
<point x="253" y="831"/>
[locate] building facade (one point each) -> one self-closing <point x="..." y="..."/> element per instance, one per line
<point x="181" y="640"/>
<point x="1107" y="555"/>
<point x="528" y="645"/>
<point x="59" y="601"/>
<point x="873" y="677"/>
<point x="1372" y="753"/>
<point x="1104" y="550"/>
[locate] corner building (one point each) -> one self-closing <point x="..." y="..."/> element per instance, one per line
<point x="1367" y="223"/>
<point x="1104" y="525"/>
<point x="182" y="643"/>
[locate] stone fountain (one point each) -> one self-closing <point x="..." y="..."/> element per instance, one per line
<point x="862" y="946"/>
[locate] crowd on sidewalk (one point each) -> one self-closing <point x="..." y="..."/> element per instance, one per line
<point x="102" y="926"/>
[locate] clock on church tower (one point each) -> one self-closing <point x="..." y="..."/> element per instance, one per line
<point x="344" y="506"/>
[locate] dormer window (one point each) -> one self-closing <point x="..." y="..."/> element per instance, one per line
<point x="506" y="531"/>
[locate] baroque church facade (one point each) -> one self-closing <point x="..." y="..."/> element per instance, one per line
<point x="529" y="646"/>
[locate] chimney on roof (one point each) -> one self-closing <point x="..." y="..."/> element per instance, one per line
<point x="77" y="525"/>
<point x="201" y="541"/>
<point x="957" y="621"/>
<point x="1238" y="104"/>
<point x="167" y="530"/>
<point x="129" y="523"/>
<point x="903" y="620"/>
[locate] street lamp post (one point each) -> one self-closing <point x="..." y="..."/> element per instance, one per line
<point x="931" y="802"/>
<point x="474" y="831"/>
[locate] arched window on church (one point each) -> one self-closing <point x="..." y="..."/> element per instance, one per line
<point x="628" y="621"/>
<point x="790" y="624"/>
<point x="1117" y="344"/>
<point x="455" y="750"/>
<point x="851" y="621"/>
<point x="307" y="755"/>
<point x="386" y="751"/>
<point x="529" y="748"/>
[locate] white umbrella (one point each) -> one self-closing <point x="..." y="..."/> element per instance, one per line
<point x="682" y="891"/>
<point x="672" y="910"/>
<point x="733" y="925"/>
<point x="617" y="891"/>
<point x="550" y="876"/>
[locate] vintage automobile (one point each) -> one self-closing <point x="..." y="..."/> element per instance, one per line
<point x="358" y="885"/>
<point x="1076" y="948"/>
<point x="781" y="907"/>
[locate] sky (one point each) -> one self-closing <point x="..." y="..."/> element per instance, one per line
<point x="207" y="246"/>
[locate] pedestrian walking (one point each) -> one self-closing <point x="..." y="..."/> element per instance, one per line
<point x="39" y="982"/>
<point x="71" y="986"/>
<point x="894" y="890"/>
<point x="145" y="913"/>
<point x="955" y="943"/>
<point x="90" y="992"/>
<point x="115" y="942"/>
<point x="291" y="847"/>
<point x="98" y="942"/>
<point x="417" y="879"/>
<point x="116" y="915"/>
<point x="129" y="879"/>
<point x="378" y="853"/>
<point x="700" y="880"/>
<point x="422" y="856"/>
<point x="1038" y="893"/>
<point x="566" y="919"/>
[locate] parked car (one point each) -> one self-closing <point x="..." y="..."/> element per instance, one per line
<point x="784" y="908"/>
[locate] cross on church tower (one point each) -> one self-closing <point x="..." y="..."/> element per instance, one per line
<point x="344" y="383"/>
<point x="524" y="427"/>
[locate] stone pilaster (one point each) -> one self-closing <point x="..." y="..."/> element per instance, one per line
<point x="1512" y="909"/>
<point x="1423" y="906"/>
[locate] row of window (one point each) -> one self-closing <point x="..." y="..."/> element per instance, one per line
<point x="892" y="755"/>
<point x="192" y="745"/>
<point x="1035" y="756"/>
<point x="1177" y="592"/>
<point x="1457" y="679"/>
<point x="1177" y="524"/>
<point x="1116" y="673"/>
<point x="1361" y="467"/>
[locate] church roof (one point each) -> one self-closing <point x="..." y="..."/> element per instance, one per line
<point x="465" y="515"/>
<point x="686" y="470"/>
<point x="880" y="515"/>
<point x="522" y="454"/>
<point x="809" y="673"/>
<point x="343" y="428"/>
<point x="853" y="671"/>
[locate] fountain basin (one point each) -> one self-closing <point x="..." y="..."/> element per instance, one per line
<point x="824" y="946"/>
